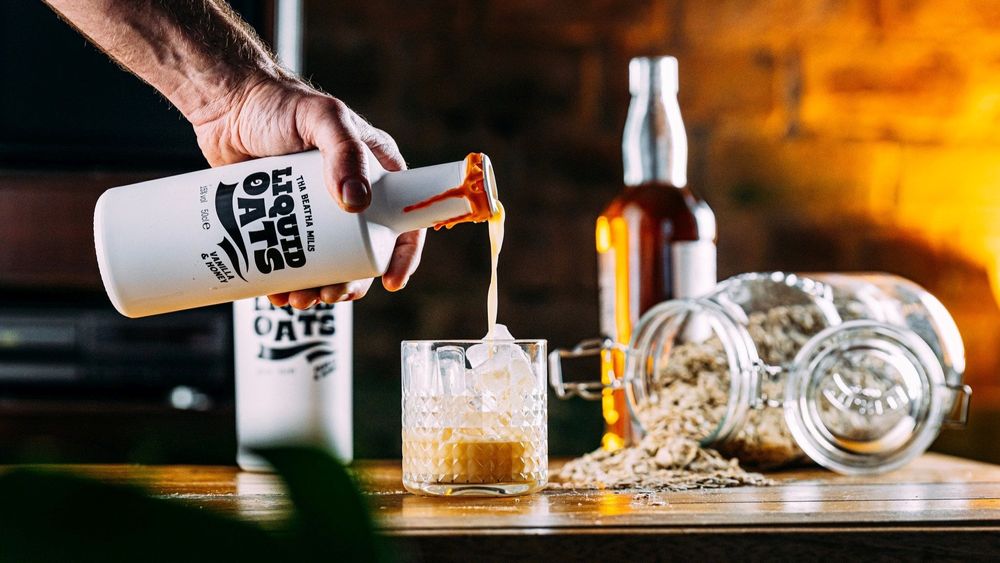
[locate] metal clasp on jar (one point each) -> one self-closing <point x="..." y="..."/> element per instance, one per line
<point x="958" y="416"/>
<point x="590" y="390"/>
<point x="761" y="372"/>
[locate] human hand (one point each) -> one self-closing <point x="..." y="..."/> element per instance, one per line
<point x="273" y="116"/>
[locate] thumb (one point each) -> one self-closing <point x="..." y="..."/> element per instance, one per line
<point x="329" y="126"/>
<point x="345" y="167"/>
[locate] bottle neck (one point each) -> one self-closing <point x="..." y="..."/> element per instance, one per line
<point x="654" y="148"/>
<point x="442" y="195"/>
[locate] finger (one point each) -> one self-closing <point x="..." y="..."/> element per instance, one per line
<point x="332" y="293"/>
<point x="347" y="168"/>
<point x="278" y="299"/>
<point x="345" y="156"/>
<point x="358" y="289"/>
<point x="303" y="298"/>
<point x="382" y="145"/>
<point x="405" y="259"/>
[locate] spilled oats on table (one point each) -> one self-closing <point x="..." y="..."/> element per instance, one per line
<point x="688" y="401"/>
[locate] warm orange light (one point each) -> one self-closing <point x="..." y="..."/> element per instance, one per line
<point x="612" y="243"/>
<point x="612" y="504"/>
<point x="612" y="442"/>
<point x="609" y="404"/>
<point x="949" y="199"/>
<point x="603" y="235"/>
<point x="611" y="415"/>
<point x="619" y="240"/>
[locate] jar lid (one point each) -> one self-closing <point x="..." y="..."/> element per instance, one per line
<point x="864" y="397"/>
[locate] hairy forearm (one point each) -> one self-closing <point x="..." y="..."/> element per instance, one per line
<point x="197" y="53"/>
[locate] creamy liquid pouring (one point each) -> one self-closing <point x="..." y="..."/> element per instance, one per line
<point x="496" y="243"/>
<point x="474" y="189"/>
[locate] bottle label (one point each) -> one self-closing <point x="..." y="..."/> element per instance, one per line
<point x="606" y="295"/>
<point x="260" y="217"/>
<point x="295" y="339"/>
<point x="293" y="376"/>
<point x="694" y="268"/>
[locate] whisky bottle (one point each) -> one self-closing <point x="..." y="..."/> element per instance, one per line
<point x="656" y="239"/>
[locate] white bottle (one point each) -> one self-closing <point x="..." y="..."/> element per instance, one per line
<point x="293" y="378"/>
<point x="268" y="226"/>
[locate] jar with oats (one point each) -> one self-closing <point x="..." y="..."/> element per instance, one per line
<point x="857" y="372"/>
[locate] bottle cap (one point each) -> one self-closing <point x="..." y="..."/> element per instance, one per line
<point x="490" y="186"/>
<point x="652" y="74"/>
<point x="480" y="190"/>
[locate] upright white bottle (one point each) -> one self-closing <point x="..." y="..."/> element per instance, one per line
<point x="293" y="378"/>
<point x="268" y="226"/>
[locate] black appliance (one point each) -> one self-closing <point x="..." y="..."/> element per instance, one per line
<point x="93" y="352"/>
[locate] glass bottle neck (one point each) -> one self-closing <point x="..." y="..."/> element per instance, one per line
<point x="654" y="147"/>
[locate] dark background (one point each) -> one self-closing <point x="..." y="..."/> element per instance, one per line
<point x="826" y="135"/>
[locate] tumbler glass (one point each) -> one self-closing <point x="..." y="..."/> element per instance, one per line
<point x="474" y="417"/>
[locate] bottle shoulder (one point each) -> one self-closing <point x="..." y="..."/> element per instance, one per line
<point x="657" y="199"/>
<point x="664" y="209"/>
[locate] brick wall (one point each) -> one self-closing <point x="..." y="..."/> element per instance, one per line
<point x="826" y="134"/>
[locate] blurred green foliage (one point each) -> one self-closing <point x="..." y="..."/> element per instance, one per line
<point x="48" y="516"/>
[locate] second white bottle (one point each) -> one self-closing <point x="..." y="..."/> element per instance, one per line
<point x="293" y="378"/>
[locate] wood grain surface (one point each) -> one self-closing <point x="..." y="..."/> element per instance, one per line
<point x="938" y="507"/>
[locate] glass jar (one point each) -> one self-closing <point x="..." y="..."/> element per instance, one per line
<point x="856" y="371"/>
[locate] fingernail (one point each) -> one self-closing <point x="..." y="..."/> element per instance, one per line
<point x="355" y="194"/>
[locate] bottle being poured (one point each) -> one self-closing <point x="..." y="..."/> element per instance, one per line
<point x="269" y="226"/>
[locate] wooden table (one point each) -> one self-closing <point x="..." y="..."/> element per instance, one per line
<point x="937" y="507"/>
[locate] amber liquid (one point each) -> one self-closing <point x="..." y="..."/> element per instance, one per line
<point x="475" y="456"/>
<point x="634" y="237"/>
